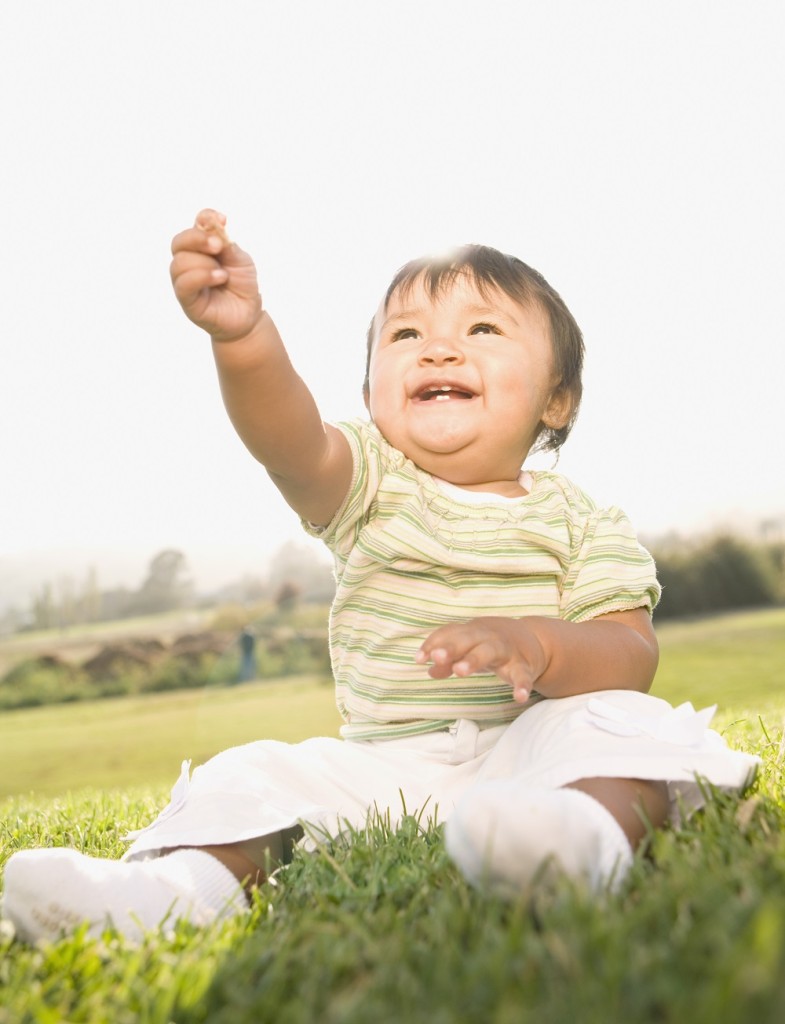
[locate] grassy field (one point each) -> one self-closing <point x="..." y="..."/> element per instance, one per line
<point x="142" y="740"/>
<point x="382" y="928"/>
<point x="736" y="661"/>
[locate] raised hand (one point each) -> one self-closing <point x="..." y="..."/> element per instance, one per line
<point x="214" y="280"/>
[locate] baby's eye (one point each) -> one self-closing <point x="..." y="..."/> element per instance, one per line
<point x="404" y="333"/>
<point x="484" y="329"/>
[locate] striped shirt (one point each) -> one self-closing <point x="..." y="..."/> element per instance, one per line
<point x="412" y="555"/>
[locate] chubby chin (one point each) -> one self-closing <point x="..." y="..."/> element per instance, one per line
<point x="420" y="434"/>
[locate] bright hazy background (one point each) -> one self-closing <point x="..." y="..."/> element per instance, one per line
<point x="631" y="151"/>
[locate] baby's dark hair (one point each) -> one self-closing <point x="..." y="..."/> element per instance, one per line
<point x="490" y="269"/>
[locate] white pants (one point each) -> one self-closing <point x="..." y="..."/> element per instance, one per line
<point x="266" y="787"/>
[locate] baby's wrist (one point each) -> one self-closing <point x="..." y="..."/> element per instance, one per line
<point x="247" y="335"/>
<point x="250" y="350"/>
<point x="537" y="654"/>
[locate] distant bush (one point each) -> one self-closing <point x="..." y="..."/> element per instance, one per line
<point x="138" y="666"/>
<point x="186" y="673"/>
<point x="42" y="680"/>
<point x="234" y="617"/>
<point x="718" y="574"/>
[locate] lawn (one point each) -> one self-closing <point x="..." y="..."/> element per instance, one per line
<point x="734" y="660"/>
<point x="127" y="741"/>
<point x="382" y="928"/>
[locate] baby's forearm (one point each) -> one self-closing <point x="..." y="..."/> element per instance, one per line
<point x="607" y="653"/>
<point x="276" y="416"/>
<point x="617" y="651"/>
<point x="269" y="405"/>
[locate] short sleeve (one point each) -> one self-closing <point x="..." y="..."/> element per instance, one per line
<point x="610" y="570"/>
<point x="372" y="457"/>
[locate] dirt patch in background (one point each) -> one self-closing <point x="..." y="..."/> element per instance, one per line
<point x="78" y="644"/>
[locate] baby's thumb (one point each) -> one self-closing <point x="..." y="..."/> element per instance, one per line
<point x="231" y="255"/>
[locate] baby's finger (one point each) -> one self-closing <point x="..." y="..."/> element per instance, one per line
<point x="482" y="657"/>
<point x="517" y="674"/>
<point x="454" y="639"/>
<point x="191" y="282"/>
<point x="464" y="659"/>
<point x="438" y="661"/>
<point x="513" y="672"/>
<point x="196" y="240"/>
<point x="188" y="259"/>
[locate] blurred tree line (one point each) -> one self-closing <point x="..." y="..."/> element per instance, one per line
<point x="166" y="586"/>
<point x="698" y="575"/>
<point x="718" y="573"/>
<point x="295" y="573"/>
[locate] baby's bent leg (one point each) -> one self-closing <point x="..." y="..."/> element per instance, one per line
<point x="503" y="834"/>
<point x="637" y="805"/>
<point x="253" y="860"/>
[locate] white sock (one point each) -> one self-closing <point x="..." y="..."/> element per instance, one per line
<point x="50" y="892"/>
<point x="501" y="836"/>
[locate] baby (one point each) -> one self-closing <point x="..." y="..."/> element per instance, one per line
<point x="491" y="634"/>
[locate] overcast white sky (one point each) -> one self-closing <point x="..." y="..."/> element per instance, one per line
<point x="633" y="152"/>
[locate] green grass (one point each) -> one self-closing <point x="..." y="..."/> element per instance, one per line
<point x="134" y="740"/>
<point x="735" y="660"/>
<point x="382" y="928"/>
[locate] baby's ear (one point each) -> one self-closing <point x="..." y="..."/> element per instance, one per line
<point x="559" y="409"/>
<point x="367" y="397"/>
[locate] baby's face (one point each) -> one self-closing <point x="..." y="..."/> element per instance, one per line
<point x="462" y="383"/>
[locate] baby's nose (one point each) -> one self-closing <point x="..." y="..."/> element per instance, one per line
<point x="441" y="350"/>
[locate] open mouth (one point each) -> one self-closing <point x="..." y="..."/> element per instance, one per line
<point x="442" y="393"/>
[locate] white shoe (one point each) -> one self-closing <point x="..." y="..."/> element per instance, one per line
<point x="51" y="892"/>
<point x="501" y="836"/>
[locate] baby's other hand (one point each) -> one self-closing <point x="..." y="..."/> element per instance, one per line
<point x="506" y="647"/>
<point x="214" y="280"/>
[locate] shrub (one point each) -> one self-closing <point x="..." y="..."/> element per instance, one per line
<point x="717" y="574"/>
<point x="42" y="680"/>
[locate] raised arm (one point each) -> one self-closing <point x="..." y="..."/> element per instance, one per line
<point x="269" y="405"/>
